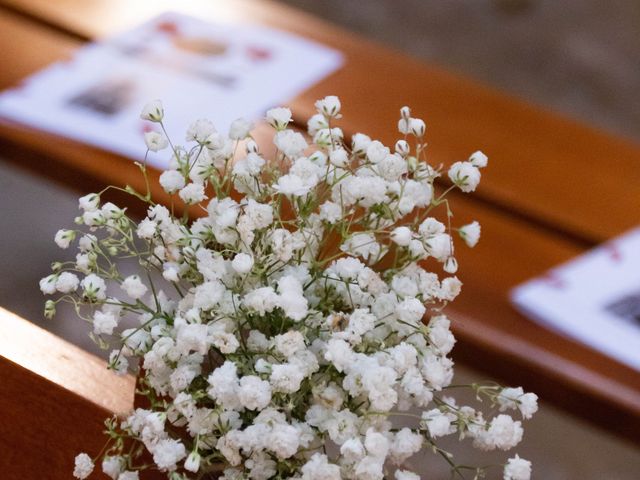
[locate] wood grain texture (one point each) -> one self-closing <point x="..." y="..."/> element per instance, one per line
<point x="557" y="172"/>
<point x="54" y="398"/>
<point x="492" y="335"/>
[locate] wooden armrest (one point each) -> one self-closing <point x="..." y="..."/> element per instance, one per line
<point x="54" y="398"/>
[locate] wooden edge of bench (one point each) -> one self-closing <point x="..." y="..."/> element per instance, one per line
<point x="63" y="364"/>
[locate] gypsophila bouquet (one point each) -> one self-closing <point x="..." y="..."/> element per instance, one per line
<point x="285" y="322"/>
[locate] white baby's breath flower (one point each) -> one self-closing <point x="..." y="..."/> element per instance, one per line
<point x="286" y="378"/>
<point x="167" y="453"/>
<point x="112" y="466"/>
<point x="94" y="287"/>
<point x="316" y="123"/>
<point x="294" y="186"/>
<point x="104" y="323"/>
<point x="359" y="143"/>
<point x="155" y="141"/>
<point x="339" y="157"/>
<point x="291" y="143"/>
<point x="172" y="181"/>
<point x="200" y="131"/>
<point x="64" y="238"/>
<point x="440" y="246"/>
<point x="192" y="463"/>
<point x="153" y="111"/>
<point x="438" y="423"/>
<point x="329" y="106"/>
<point x="242" y="263"/>
<point x="134" y="287"/>
<point x="48" y="284"/>
<point x="330" y="212"/>
<point x="289" y="343"/>
<point x="405" y="475"/>
<point x="517" y="468"/>
<point x="294" y="308"/>
<point x="67" y="282"/>
<point x="192" y="193"/>
<point x="89" y="202"/>
<point x="240" y="129"/>
<point x="83" y="466"/>
<point x="254" y="393"/>
<point x="279" y="117"/>
<point x="401" y="236"/>
<point x="416" y="127"/>
<point x="470" y="233"/>
<point x="479" y="159"/>
<point x="402" y="148"/>
<point x="465" y="176"/>
<point x="450" y="265"/>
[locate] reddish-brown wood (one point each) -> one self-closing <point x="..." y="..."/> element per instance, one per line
<point x="527" y="176"/>
<point x="555" y="171"/>
<point x="54" y="398"/>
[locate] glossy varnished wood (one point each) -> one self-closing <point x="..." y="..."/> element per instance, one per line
<point x="54" y="398"/>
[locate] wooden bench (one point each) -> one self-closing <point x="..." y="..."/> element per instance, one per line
<point x="54" y="398"/>
<point x="552" y="189"/>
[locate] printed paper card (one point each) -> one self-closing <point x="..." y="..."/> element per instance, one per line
<point x="198" y="70"/>
<point x="594" y="298"/>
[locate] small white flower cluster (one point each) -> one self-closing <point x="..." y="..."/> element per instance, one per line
<point x="291" y="322"/>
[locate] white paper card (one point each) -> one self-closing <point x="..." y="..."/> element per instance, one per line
<point x="594" y="298"/>
<point x="198" y="70"/>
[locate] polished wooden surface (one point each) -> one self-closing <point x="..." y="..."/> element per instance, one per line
<point x="550" y="192"/>
<point x="555" y="171"/>
<point x="54" y="398"/>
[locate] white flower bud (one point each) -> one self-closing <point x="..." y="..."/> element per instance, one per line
<point x="94" y="287"/>
<point x="405" y="112"/>
<point x="242" y="263"/>
<point x="153" y="111"/>
<point x="192" y="193"/>
<point x="417" y="127"/>
<point x="251" y="146"/>
<point x="48" y="284"/>
<point x="89" y="202"/>
<point x="171" y="181"/>
<point x="134" y="287"/>
<point x="279" y="117"/>
<point x="517" y="469"/>
<point x="111" y="211"/>
<point x="402" y="148"/>
<point x="470" y="233"/>
<point x="465" y="176"/>
<point x="240" y="129"/>
<point x="401" y="236"/>
<point x="479" y="159"/>
<point x="339" y="157"/>
<point x="67" y="282"/>
<point x="200" y="131"/>
<point x="329" y="106"/>
<point x="112" y="466"/>
<point x="49" y="309"/>
<point x="316" y="123"/>
<point x="155" y="141"/>
<point x="289" y="142"/>
<point x="450" y="265"/>
<point x="83" y="466"/>
<point x="192" y="463"/>
<point x="359" y="143"/>
<point x="64" y="238"/>
<point x="403" y="126"/>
